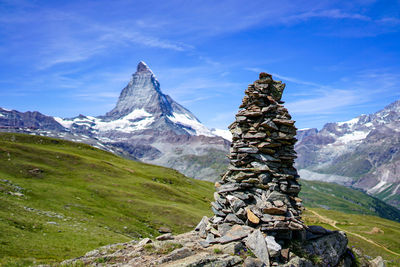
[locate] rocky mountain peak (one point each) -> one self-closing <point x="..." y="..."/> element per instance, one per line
<point x="142" y="67"/>
<point x="142" y="93"/>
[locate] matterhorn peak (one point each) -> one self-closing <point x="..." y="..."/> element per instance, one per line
<point x="142" y="67"/>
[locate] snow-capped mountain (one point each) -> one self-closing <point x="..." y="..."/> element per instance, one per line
<point x="141" y="106"/>
<point x="145" y="124"/>
<point x="363" y="152"/>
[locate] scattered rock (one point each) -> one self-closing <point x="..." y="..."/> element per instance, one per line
<point x="167" y="236"/>
<point x="164" y="230"/>
<point x="377" y="262"/>
<point x="144" y="241"/>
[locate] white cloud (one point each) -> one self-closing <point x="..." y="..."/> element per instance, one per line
<point x="329" y="102"/>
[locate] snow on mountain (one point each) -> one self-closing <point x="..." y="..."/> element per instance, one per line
<point x="365" y="149"/>
<point x="142" y="105"/>
<point x="137" y="120"/>
<point x="226" y="134"/>
<point x="190" y="124"/>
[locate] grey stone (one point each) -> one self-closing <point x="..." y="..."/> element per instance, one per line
<point x="216" y="205"/>
<point x="253" y="262"/>
<point x="209" y="261"/>
<point x="299" y="262"/>
<point x="217" y="212"/>
<point x="204" y="244"/>
<point x="224" y="228"/>
<point x="177" y="254"/>
<point x="237" y="232"/>
<point x="319" y="230"/>
<point x="256" y="243"/>
<point x="202" y="224"/>
<point x="233" y="219"/>
<point x="274" y="195"/>
<point x="377" y="262"/>
<point x="201" y="227"/>
<point x="237" y="204"/>
<point x="273" y="247"/>
<point x="232" y="248"/>
<point x="210" y="239"/>
<point x="144" y="242"/>
<point x="250" y="150"/>
<point x="241" y="214"/>
<point x="219" y="198"/>
<point x="228" y="188"/>
<point x="329" y="247"/>
<point x="164" y="230"/>
<point x="163" y="237"/>
<point x="217" y="219"/>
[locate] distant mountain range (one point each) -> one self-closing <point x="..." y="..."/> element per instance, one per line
<point x="145" y="124"/>
<point x="150" y="126"/>
<point x="363" y="152"/>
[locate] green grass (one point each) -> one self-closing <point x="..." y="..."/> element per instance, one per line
<point x="337" y="197"/>
<point x="76" y="198"/>
<point x="381" y="231"/>
<point x="60" y="199"/>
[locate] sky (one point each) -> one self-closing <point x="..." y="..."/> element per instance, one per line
<point x="339" y="59"/>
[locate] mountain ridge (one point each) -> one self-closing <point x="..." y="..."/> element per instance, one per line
<point x="363" y="152"/>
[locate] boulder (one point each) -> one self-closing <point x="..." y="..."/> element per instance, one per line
<point x="256" y="243"/>
<point x="330" y="248"/>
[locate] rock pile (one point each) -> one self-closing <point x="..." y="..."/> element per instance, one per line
<point x="261" y="185"/>
<point x="256" y="201"/>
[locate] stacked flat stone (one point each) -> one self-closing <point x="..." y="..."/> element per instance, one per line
<point x="261" y="186"/>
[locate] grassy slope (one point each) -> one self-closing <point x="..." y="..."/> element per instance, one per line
<point x="337" y="197"/>
<point x="381" y="231"/>
<point x="96" y="198"/>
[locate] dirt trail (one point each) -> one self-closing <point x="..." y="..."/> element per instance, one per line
<point x="333" y="224"/>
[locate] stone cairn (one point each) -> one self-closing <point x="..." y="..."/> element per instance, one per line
<point x="259" y="191"/>
<point x="261" y="185"/>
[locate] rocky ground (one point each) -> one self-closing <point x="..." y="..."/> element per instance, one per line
<point x="322" y="248"/>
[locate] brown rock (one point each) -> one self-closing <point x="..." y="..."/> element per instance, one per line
<point x="252" y="217"/>
<point x="275" y="210"/>
<point x="285" y="253"/>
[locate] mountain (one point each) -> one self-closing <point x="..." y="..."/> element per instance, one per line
<point x="60" y="199"/>
<point x="145" y="125"/>
<point x="363" y="152"/>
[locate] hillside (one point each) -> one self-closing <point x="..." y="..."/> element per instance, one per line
<point x="370" y="235"/>
<point x="60" y="199"/>
<point x="332" y="196"/>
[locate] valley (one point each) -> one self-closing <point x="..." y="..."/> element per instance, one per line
<point x="61" y="199"/>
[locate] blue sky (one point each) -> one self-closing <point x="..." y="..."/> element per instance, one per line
<point x="338" y="59"/>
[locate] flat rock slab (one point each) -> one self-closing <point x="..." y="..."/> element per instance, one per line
<point x="206" y="260"/>
<point x="163" y="237"/>
<point x="237" y="232"/>
<point x="256" y="243"/>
